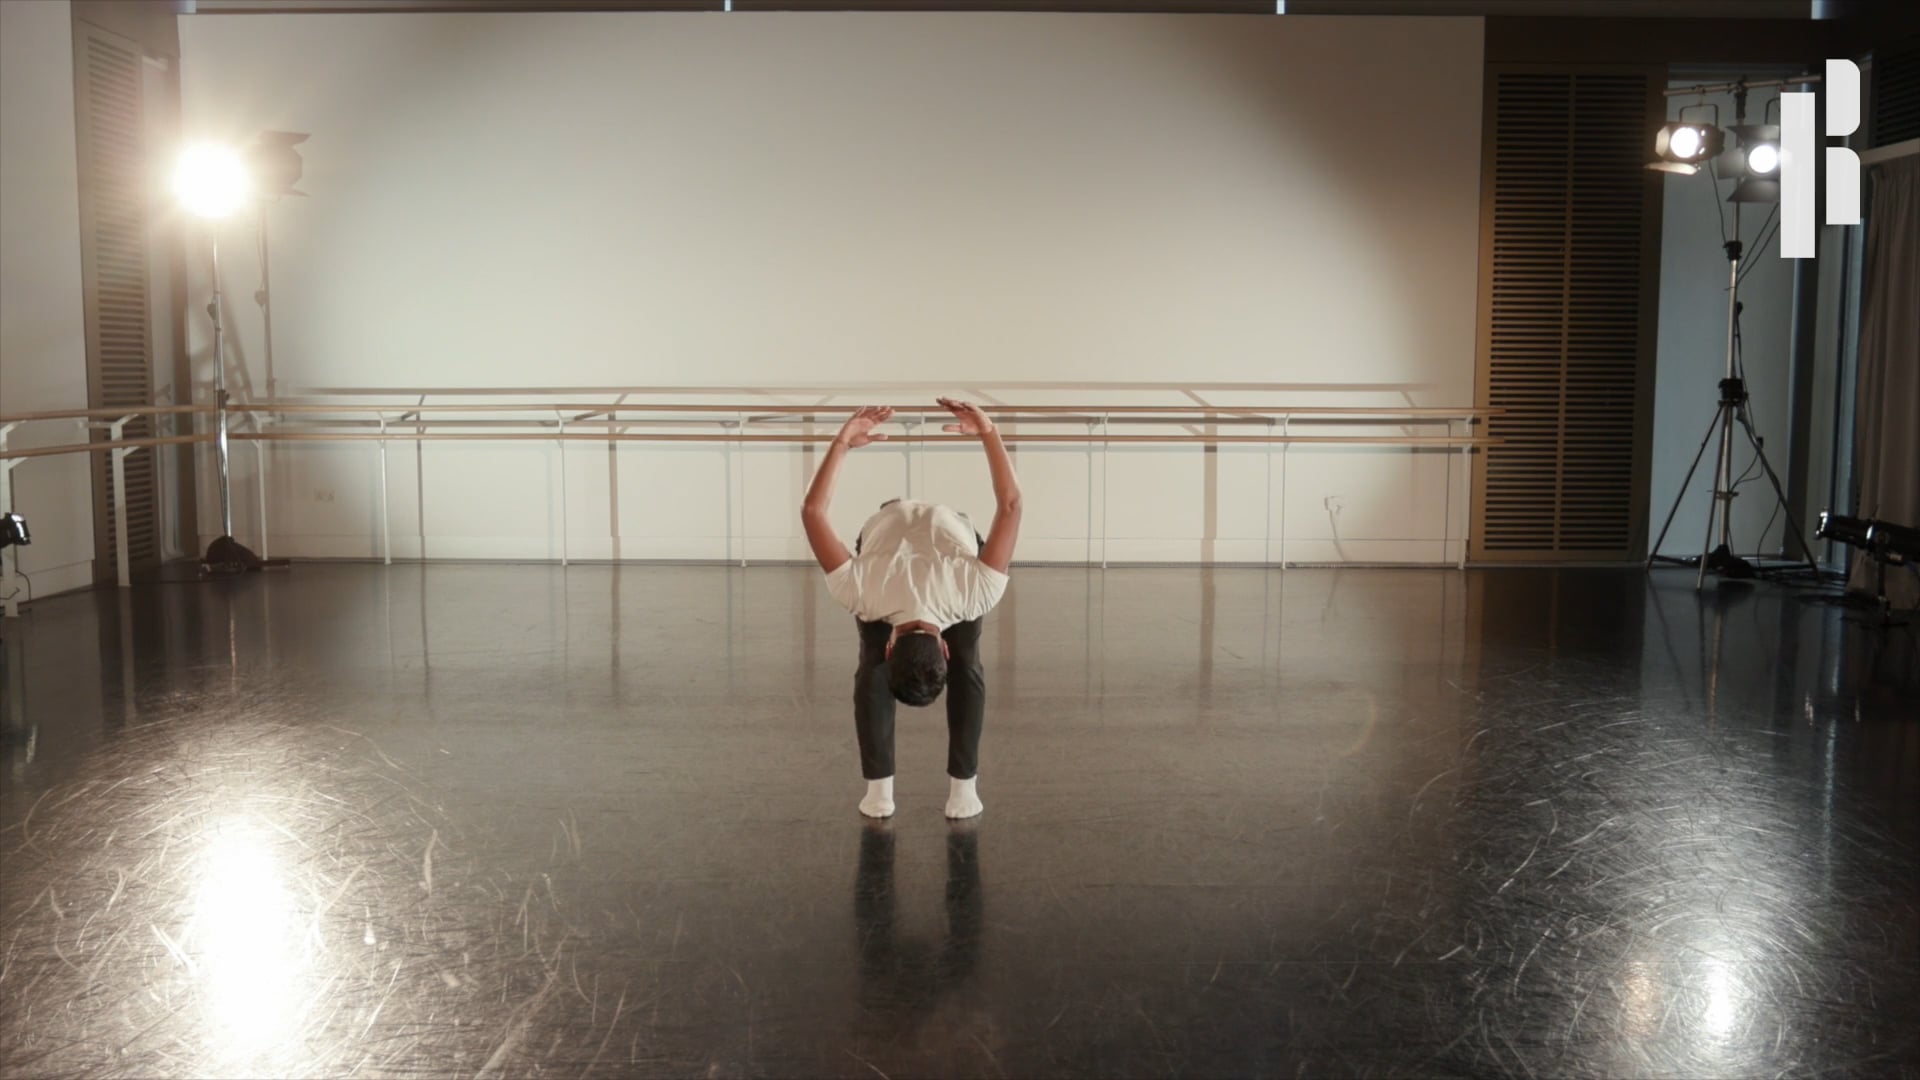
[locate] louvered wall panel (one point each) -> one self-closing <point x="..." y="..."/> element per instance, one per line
<point x="1896" y="93"/>
<point x="1569" y="228"/>
<point x="113" y="197"/>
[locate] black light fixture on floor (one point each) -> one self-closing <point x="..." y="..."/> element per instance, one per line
<point x="1884" y="542"/>
<point x="1881" y="540"/>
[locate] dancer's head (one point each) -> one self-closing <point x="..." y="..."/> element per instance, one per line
<point x="916" y="663"/>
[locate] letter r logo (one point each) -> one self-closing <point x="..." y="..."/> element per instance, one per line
<point x="1842" y="84"/>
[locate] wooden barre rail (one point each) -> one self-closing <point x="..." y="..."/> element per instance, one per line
<point x="797" y="412"/>
<point x="104" y="414"/>
<point x="10" y="457"/>
<point x="1451" y="441"/>
<point x="1149" y="416"/>
<point x="760" y="412"/>
<point x="811" y="411"/>
<point x="1088" y="440"/>
<point x="782" y="423"/>
<point x="105" y="444"/>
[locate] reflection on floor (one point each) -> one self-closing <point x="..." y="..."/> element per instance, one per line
<point x="514" y="820"/>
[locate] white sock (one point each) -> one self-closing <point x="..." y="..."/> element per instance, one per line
<point x="962" y="800"/>
<point x="879" y="800"/>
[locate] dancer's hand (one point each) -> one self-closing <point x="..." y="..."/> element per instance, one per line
<point x="858" y="430"/>
<point x="972" y="420"/>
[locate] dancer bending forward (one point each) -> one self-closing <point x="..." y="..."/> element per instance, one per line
<point x="918" y="582"/>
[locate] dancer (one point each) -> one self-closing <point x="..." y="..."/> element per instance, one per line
<point x="918" y="582"/>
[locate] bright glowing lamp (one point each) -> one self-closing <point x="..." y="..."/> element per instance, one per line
<point x="211" y="181"/>
<point x="1681" y="146"/>
<point x="1759" y="150"/>
<point x="1682" y="141"/>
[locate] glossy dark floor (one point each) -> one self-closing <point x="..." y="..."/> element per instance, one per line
<point x="516" y="821"/>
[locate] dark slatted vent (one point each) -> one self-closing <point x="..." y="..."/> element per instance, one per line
<point x="1562" y="342"/>
<point x="1896" y="93"/>
<point x="113" y="193"/>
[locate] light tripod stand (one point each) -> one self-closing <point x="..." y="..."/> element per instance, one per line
<point x="215" y="182"/>
<point x="1731" y="411"/>
<point x="225" y="555"/>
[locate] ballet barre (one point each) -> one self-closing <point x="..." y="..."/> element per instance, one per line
<point x="112" y="420"/>
<point x="1010" y="438"/>
<point x="613" y="422"/>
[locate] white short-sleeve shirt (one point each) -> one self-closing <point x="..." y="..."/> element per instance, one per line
<point x="918" y="562"/>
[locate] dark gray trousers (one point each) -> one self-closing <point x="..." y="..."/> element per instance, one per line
<point x="873" y="700"/>
<point x="966" y="694"/>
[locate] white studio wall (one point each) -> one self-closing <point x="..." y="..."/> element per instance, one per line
<point x="1691" y="359"/>
<point x="834" y="208"/>
<point x="43" y="346"/>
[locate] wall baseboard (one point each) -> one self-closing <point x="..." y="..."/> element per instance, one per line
<point x="51" y="581"/>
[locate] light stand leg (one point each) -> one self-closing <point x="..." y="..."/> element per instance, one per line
<point x="1722" y="502"/>
<point x="1730" y="396"/>
<point x="1713" y="505"/>
<point x="1806" y="549"/>
<point x="1730" y="391"/>
<point x="220" y="394"/>
<point x="1680" y="496"/>
<point x="264" y="297"/>
<point x="226" y="555"/>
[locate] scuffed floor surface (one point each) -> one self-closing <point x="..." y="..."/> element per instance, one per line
<point x="348" y="821"/>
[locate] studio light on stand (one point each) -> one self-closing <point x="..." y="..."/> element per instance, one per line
<point x="1753" y="160"/>
<point x="213" y="183"/>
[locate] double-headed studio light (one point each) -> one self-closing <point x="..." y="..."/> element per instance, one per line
<point x="1748" y="154"/>
<point x="214" y="181"/>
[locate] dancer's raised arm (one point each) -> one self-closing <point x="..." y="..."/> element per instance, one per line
<point x="828" y="548"/>
<point x="998" y="552"/>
